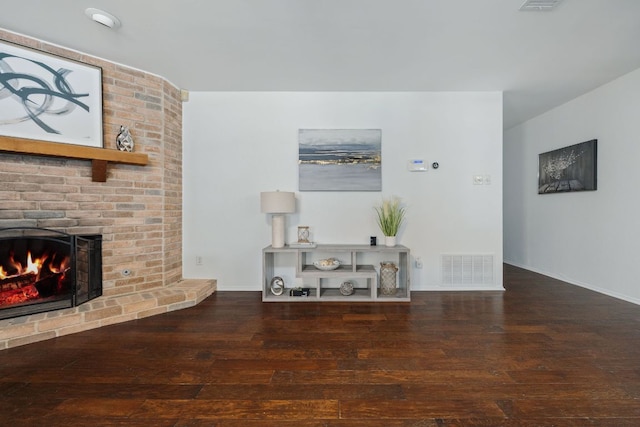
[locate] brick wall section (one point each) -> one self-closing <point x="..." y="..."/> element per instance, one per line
<point x="172" y="184"/>
<point x="138" y="210"/>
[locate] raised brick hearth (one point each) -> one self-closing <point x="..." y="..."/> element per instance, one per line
<point x="138" y="211"/>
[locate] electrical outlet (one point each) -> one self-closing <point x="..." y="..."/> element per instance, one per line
<point x="198" y="260"/>
<point x="487" y="180"/>
<point x="478" y="179"/>
<point x="419" y="262"/>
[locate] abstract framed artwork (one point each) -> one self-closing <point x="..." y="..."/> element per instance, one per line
<point x="572" y="168"/>
<point x="340" y="159"/>
<point x="48" y="98"/>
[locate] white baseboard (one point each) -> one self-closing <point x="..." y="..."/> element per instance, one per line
<point x="459" y="288"/>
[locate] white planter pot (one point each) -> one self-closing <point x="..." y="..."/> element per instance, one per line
<point x="390" y="241"/>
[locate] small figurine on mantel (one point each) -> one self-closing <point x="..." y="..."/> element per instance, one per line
<point x="124" y="141"/>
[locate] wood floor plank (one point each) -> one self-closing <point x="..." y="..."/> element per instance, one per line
<point x="108" y="391"/>
<point x="304" y="392"/>
<point x="311" y="423"/>
<point x="576" y="408"/>
<point x="389" y="377"/>
<point x="239" y="409"/>
<point x="499" y="392"/>
<point x="543" y="353"/>
<point x="420" y="409"/>
<point x="105" y="407"/>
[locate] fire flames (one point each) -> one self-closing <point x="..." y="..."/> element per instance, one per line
<point x="37" y="277"/>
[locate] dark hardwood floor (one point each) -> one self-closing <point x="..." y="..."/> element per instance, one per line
<point x="543" y="353"/>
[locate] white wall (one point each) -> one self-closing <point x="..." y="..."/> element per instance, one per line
<point x="586" y="238"/>
<point x="237" y="144"/>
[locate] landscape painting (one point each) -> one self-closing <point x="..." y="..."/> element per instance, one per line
<point x="340" y="159"/>
<point x="572" y="168"/>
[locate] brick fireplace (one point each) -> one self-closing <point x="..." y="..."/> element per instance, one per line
<point x="137" y="211"/>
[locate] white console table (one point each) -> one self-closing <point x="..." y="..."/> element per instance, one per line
<point x="359" y="264"/>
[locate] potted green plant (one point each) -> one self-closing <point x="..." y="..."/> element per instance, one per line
<point x="390" y="217"/>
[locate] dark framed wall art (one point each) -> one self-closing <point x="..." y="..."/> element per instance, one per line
<point x="48" y="98"/>
<point x="572" y="168"/>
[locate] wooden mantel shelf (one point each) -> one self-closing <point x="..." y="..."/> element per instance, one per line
<point x="99" y="157"/>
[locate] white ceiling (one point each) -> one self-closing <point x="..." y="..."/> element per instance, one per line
<point x="539" y="59"/>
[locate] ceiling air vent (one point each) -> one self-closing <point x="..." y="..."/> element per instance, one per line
<point x="539" y="5"/>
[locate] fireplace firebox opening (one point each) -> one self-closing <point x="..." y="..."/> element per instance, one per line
<point x="44" y="270"/>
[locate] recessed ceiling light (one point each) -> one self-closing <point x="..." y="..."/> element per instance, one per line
<point x="102" y="17"/>
<point x="539" y="5"/>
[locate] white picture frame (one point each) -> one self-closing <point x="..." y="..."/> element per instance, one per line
<point x="45" y="97"/>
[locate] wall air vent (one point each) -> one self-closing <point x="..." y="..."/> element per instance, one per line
<point x="539" y="5"/>
<point x="467" y="270"/>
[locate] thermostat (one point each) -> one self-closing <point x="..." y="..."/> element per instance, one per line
<point x="417" y="165"/>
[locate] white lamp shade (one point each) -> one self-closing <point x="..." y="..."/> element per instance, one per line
<point x="277" y="202"/>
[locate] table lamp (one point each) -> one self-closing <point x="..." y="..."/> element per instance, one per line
<point x="277" y="203"/>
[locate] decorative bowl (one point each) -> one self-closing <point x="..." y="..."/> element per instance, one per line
<point x="327" y="264"/>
